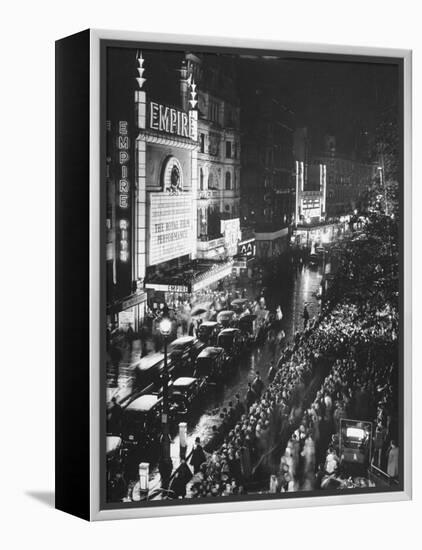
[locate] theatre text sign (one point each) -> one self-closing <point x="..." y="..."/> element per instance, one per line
<point x="171" y="231"/>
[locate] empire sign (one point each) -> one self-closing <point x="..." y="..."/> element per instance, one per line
<point x="168" y="119"/>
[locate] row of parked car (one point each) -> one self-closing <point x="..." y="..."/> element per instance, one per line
<point x="194" y="364"/>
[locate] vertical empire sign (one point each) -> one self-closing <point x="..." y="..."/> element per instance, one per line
<point x="123" y="209"/>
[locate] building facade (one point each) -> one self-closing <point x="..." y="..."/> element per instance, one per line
<point x="159" y="211"/>
<point x="267" y="172"/>
<point x="348" y="179"/>
<point x="218" y="164"/>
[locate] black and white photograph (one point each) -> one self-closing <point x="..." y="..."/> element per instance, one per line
<point x="252" y="248"/>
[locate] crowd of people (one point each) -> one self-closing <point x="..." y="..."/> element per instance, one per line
<point x="285" y="433"/>
<point x="342" y="365"/>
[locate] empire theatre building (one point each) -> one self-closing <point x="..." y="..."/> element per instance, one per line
<point x="152" y="188"/>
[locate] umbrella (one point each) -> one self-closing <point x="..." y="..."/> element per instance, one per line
<point x="239" y="302"/>
<point x="199" y="310"/>
<point x="225" y="315"/>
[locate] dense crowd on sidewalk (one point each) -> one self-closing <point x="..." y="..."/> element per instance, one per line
<point x="358" y="353"/>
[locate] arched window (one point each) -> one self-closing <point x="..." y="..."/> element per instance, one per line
<point x="228" y="181"/>
<point x="201" y="179"/>
<point x="210" y="181"/>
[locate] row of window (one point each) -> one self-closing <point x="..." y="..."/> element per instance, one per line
<point x="213" y="184"/>
<point x="214" y="146"/>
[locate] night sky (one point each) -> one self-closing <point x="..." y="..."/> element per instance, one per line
<point x="345" y="99"/>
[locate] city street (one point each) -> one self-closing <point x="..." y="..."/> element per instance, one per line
<point x="302" y="288"/>
<point x="252" y="277"/>
<point x="298" y="289"/>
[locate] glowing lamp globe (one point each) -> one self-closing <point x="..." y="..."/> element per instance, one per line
<point x="165" y="327"/>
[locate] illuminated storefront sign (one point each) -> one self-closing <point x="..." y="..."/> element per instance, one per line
<point x="231" y="231"/>
<point x="247" y="248"/>
<point x="123" y="192"/>
<point x="123" y="239"/>
<point x="171" y="232"/>
<point x="311" y="207"/>
<point x="168" y="119"/>
<point x="126" y="318"/>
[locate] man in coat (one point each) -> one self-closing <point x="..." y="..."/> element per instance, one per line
<point x="197" y="456"/>
<point x="305" y="317"/>
<point x="250" y="397"/>
<point x="258" y="385"/>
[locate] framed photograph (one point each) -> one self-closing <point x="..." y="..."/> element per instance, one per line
<point x="233" y="275"/>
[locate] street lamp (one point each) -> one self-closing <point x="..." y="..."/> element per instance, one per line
<point x="166" y="465"/>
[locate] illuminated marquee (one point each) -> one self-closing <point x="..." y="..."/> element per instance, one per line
<point x="231" y="231"/>
<point x="169" y="120"/>
<point x="171" y="232"/>
<point x="311" y="207"/>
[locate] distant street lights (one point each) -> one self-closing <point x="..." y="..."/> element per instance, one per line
<point x="166" y="464"/>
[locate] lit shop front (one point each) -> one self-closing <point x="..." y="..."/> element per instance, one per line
<point x="317" y="234"/>
<point x="244" y="260"/>
<point x="271" y="244"/>
<point x="192" y="283"/>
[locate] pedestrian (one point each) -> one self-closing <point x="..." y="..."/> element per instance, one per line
<point x="165" y="467"/>
<point x="239" y="407"/>
<point x="115" y="358"/>
<point x="271" y="372"/>
<point x="393" y="460"/>
<point x="331" y="462"/>
<point x="117" y="488"/>
<point x="258" y="385"/>
<point x="115" y="418"/>
<point x="250" y="397"/>
<point x="305" y="317"/>
<point x="179" y="481"/>
<point x="197" y="456"/>
<point x="130" y="336"/>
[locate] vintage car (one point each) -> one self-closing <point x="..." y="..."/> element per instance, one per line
<point x="141" y="420"/>
<point x="239" y="305"/>
<point x="355" y="442"/>
<point x="313" y="259"/>
<point x="226" y="318"/>
<point x="183" y="395"/>
<point x="250" y="328"/>
<point x="232" y="341"/>
<point x="197" y="347"/>
<point x="211" y="365"/>
<point x="147" y="372"/>
<point x="208" y="332"/>
<point x="180" y="353"/>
